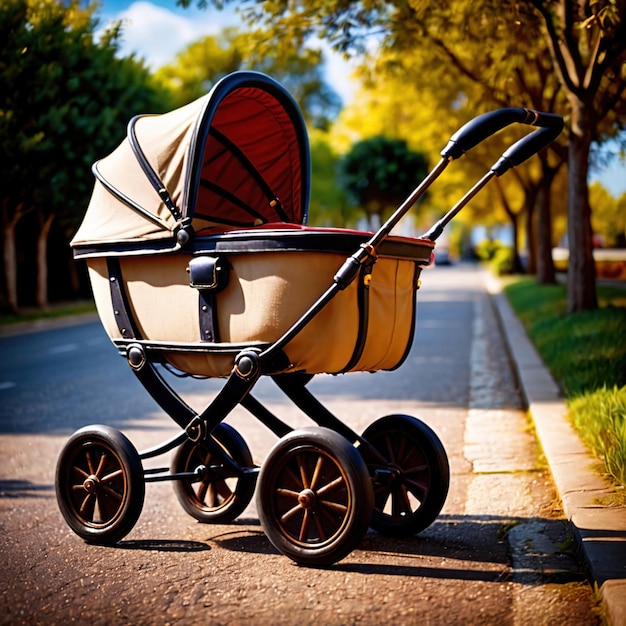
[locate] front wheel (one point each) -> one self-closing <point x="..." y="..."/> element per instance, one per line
<point x="314" y="496"/>
<point x="99" y="484"/>
<point x="410" y="473"/>
<point x="220" y="494"/>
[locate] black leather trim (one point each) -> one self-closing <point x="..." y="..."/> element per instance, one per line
<point x="267" y="240"/>
<point x="363" y="299"/>
<point x="120" y="302"/>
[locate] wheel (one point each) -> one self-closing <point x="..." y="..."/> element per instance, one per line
<point x="314" y="497"/>
<point x="410" y="473"/>
<point x="219" y="496"/>
<point x="99" y="484"/>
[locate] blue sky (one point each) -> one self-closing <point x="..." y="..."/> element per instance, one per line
<point x="158" y="29"/>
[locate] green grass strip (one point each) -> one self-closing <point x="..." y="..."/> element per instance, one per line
<point x="586" y="353"/>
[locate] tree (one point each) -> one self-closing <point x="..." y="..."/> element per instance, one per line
<point x="608" y="216"/>
<point x="587" y="43"/>
<point x="396" y="106"/>
<point x="197" y="68"/>
<point x="379" y="173"/>
<point x="64" y="102"/>
<point x="329" y="205"/>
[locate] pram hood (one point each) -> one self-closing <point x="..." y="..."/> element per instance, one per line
<point x="237" y="157"/>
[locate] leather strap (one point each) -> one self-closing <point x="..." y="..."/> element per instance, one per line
<point x="119" y="300"/>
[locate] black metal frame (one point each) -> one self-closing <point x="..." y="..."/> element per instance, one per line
<point x="236" y="391"/>
<point x="253" y="362"/>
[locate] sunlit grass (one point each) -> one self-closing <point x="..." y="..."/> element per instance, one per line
<point x="63" y="310"/>
<point x="586" y="353"/>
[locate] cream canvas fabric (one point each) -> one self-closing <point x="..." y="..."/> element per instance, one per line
<point x="267" y="292"/>
<point x="237" y="157"/>
<point x="235" y="165"/>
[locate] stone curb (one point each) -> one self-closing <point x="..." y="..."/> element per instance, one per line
<point x="600" y="531"/>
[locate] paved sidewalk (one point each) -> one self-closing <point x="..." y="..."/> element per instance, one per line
<point x="600" y="531"/>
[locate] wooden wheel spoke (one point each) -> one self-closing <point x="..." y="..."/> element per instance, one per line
<point x="294" y="478"/>
<point x="316" y="472"/>
<point x="320" y="529"/>
<point x="89" y="463"/>
<point x="417" y="469"/>
<point x="400" y="503"/>
<point x="290" y="513"/>
<point x="206" y="487"/>
<point x="101" y="464"/>
<point x="281" y="491"/>
<point x="334" y="506"/>
<point x="87" y="506"/>
<point x="304" y="479"/>
<point x="331" y="485"/>
<point x="401" y="452"/>
<point x="391" y="455"/>
<point x="304" y="526"/>
<point x="418" y="489"/>
<point x="222" y="489"/>
<point x="80" y="471"/>
<point x="115" y="494"/>
<point x="112" y="476"/>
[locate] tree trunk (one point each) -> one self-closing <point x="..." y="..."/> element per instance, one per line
<point x="72" y="272"/>
<point x="545" y="266"/>
<point x="45" y="222"/>
<point x="9" y="259"/>
<point x="581" y="274"/>
<point x="530" y="201"/>
<point x="516" y="262"/>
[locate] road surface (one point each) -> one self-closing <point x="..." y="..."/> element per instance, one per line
<point x="499" y="553"/>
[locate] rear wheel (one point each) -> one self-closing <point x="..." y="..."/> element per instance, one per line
<point x="315" y="496"/>
<point x="410" y="473"/>
<point x="99" y="484"/>
<point x="219" y="494"/>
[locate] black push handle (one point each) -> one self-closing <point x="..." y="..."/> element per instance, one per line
<point x="525" y="148"/>
<point x="483" y="126"/>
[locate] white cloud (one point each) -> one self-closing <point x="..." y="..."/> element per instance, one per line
<point x="157" y="34"/>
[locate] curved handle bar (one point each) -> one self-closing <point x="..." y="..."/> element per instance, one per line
<point x="525" y="148"/>
<point x="488" y="124"/>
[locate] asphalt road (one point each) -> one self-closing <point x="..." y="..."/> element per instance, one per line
<point x="499" y="553"/>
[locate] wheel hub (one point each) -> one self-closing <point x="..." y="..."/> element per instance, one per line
<point x="91" y="484"/>
<point x="396" y="475"/>
<point x="306" y="498"/>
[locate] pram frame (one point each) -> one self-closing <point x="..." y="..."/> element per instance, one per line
<point x="332" y="443"/>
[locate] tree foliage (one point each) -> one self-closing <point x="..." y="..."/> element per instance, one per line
<point x="197" y="68"/>
<point x="65" y="100"/>
<point x="587" y="44"/>
<point x="608" y="216"/>
<point x="379" y="173"/>
<point x="329" y="204"/>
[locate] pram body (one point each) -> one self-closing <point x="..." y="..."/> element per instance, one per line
<point x="200" y="259"/>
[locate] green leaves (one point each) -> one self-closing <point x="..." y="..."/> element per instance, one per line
<point x="378" y="173"/>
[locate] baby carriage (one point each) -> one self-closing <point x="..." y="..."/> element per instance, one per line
<point x="200" y="261"/>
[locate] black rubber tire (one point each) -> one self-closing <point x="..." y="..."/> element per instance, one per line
<point x="221" y="496"/>
<point x="409" y="500"/>
<point x="314" y="497"/>
<point x="99" y="484"/>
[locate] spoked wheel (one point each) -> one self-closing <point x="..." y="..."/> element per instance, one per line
<point x="219" y="495"/>
<point x="411" y="479"/>
<point x="99" y="484"/>
<point x="315" y="496"/>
